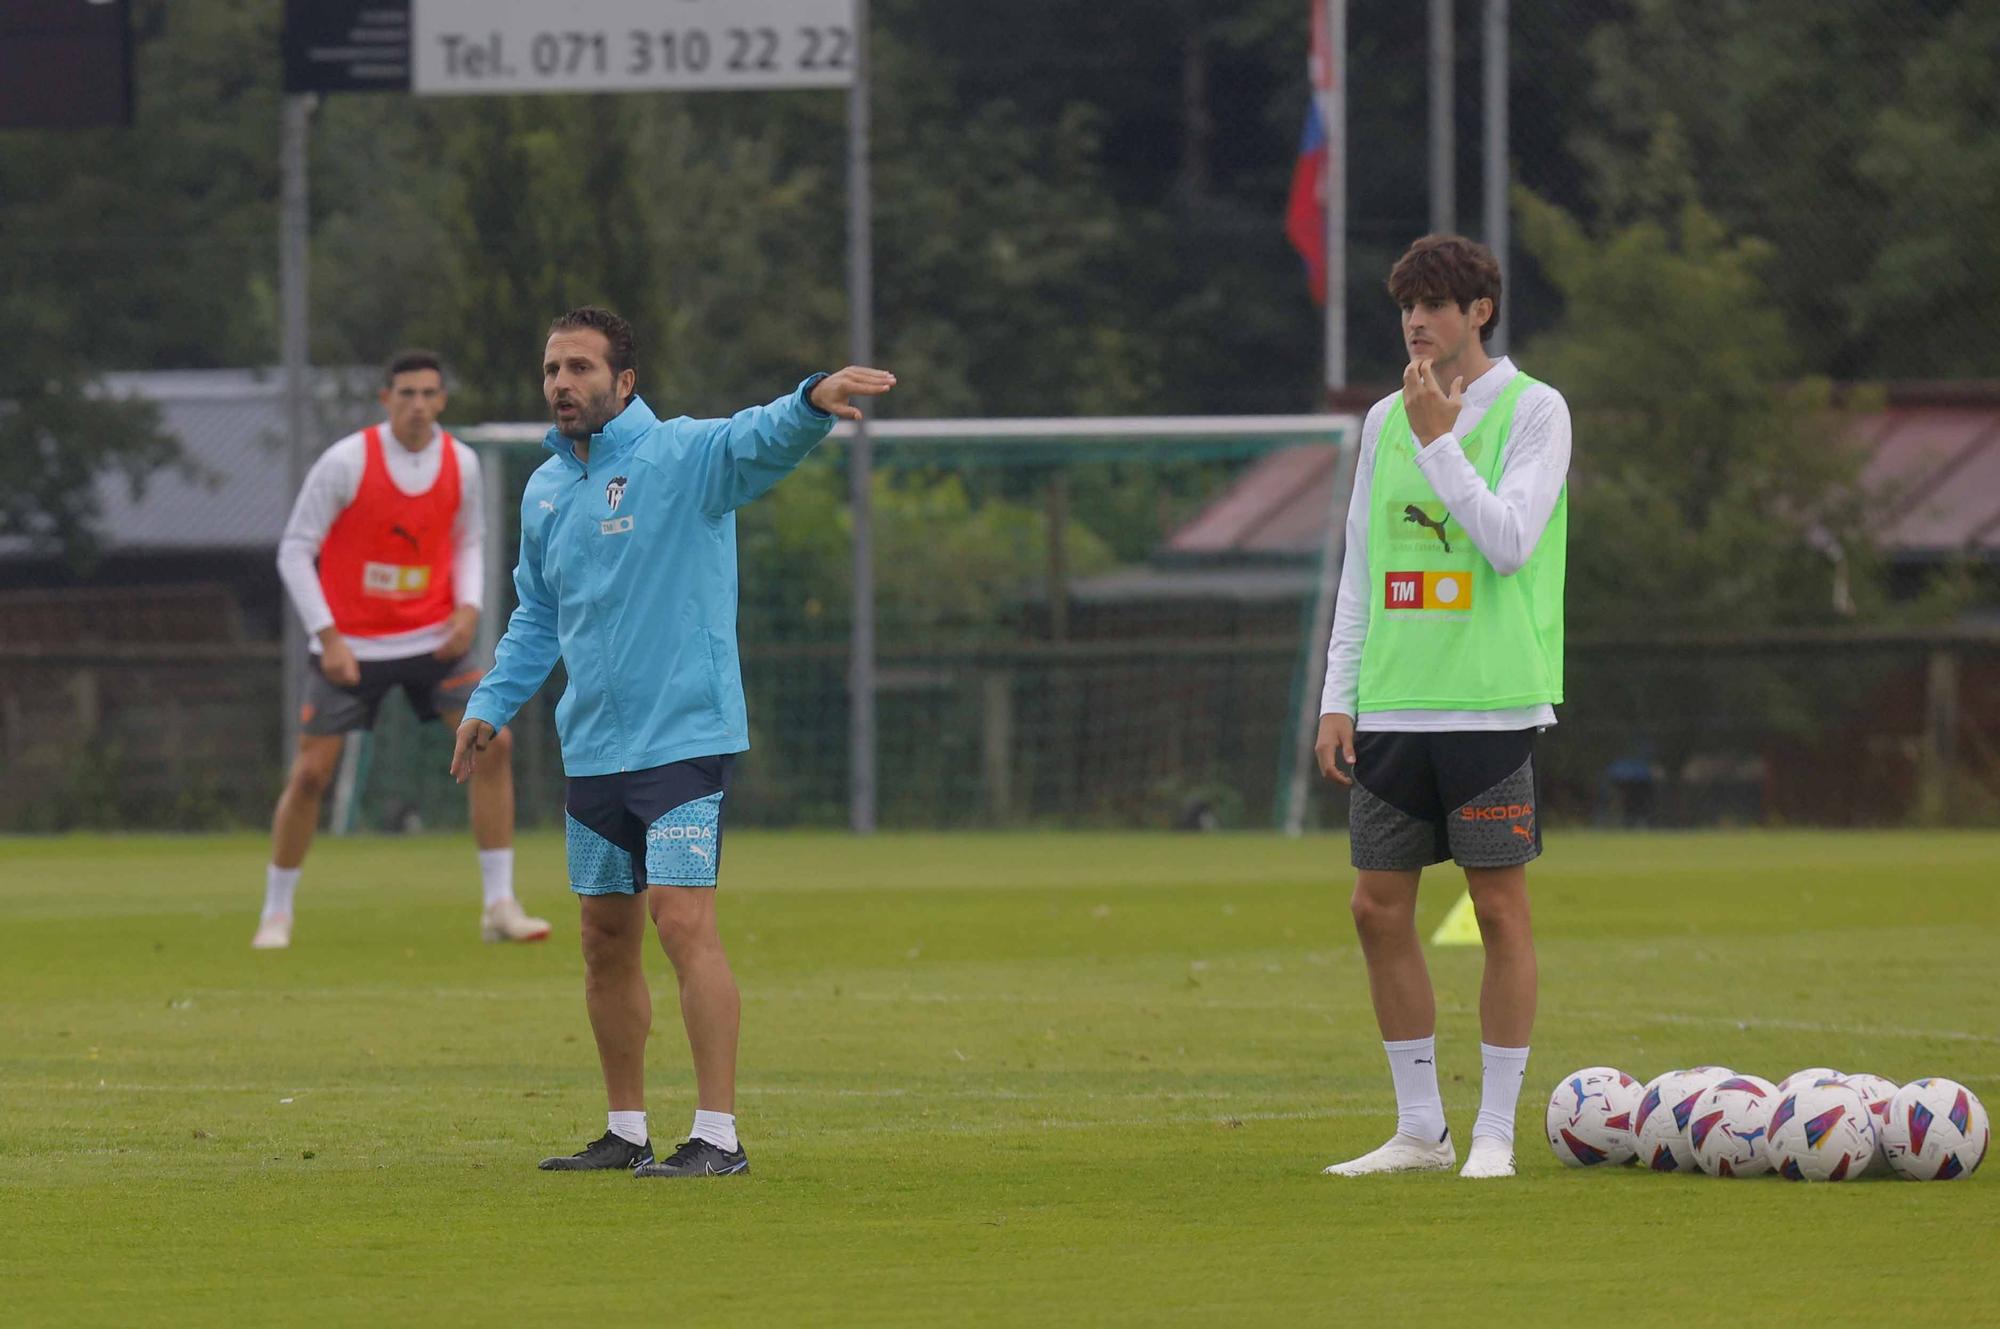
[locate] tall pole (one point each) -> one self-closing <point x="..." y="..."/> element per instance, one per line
<point x="1333" y="84"/>
<point x="861" y="460"/>
<point x="1496" y="171"/>
<point x="293" y="221"/>
<point x="1444" y="125"/>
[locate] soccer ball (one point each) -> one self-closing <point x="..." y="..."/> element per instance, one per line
<point x="1660" y="1122"/>
<point x="1875" y="1091"/>
<point x="1590" y="1117"/>
<point x="1821" y="1131"/>
<point x="1727" y="1130"/>
<point x="1937" y="1131"/>
<point x="1810" y="1075"/>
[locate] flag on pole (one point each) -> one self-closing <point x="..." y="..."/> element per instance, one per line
<point x="1305" y="210"/>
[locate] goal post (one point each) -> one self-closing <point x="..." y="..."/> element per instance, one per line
<point x="1051" y="650"/>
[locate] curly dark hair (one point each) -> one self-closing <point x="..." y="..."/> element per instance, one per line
<point x="1448" y="267"/>
<point x="624" y="347"/>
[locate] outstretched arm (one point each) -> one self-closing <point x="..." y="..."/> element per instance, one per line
<point x="740" y="458"/>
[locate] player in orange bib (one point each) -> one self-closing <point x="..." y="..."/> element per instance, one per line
<point x="382" y="559"/>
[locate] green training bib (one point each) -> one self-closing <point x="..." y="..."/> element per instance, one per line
<point x="1445" y="631"/>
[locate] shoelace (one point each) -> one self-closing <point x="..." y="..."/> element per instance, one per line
<point x="688" y="1151"/>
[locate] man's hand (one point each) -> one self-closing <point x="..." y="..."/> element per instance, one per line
<point x="464" y="624"/>
<point x="831" y="393"/>
<point x="1336" y="743"/>
<point x="336" y="660"/>
<point x="473" y="736"/>
<point x="1432" y="412"/>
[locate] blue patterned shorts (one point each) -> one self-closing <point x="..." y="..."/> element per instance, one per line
<point x="659" y="827"/>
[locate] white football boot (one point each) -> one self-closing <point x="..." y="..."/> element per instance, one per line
<point x="1402" y="1154"/>
<point x="1488" y="1158"/>
<point x="504" y="920"/>
<point x="274" y="933"/>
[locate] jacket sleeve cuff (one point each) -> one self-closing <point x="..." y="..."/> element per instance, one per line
<point x="805" y="397"/>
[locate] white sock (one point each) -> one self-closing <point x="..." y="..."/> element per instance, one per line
<point x="718" y="1128"/>
<point x="1419" y="1110"/>
<point x="279" y="883"/>
<point x="1502" y="1070"/>
<point x="629" y="1126"/>
<point x="496" y="881"/>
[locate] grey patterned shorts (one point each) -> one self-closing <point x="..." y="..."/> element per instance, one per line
<point x="1422" y="798"/>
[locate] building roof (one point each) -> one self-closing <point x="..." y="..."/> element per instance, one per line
<point x="237" y="491"/>
<point x="1934" y="464"/>
<point x="1937" y="471"/>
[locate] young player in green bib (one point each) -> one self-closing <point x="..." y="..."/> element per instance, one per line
<point x="1446" y="660"/>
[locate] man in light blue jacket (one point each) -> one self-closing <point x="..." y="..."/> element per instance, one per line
<point x="628" y="576"/>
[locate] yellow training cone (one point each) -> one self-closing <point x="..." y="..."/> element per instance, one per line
<point x="1460" y="926"/>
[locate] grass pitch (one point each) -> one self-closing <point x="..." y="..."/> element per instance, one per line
<point x="1049" y="1080"/>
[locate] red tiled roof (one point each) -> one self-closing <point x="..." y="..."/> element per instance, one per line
<point x="1935" y="467"/>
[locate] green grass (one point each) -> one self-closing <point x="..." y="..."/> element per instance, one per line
<point x="1044" y="1080"/>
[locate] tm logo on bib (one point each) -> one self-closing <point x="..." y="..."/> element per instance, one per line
<point x="1427" y="590"/>
<point x="394" y="581"/>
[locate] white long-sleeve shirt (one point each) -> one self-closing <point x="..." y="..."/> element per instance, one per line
<point x="330" y="487"/>
<point x="1504" y="525"/>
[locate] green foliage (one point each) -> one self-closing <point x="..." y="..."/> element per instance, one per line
<point x="60" y="436"/>
<point x="1712" y="488"/>
<point x="945" y="562"/>
<point x="1853" y="138"/>
<point x="1934" y="158"/>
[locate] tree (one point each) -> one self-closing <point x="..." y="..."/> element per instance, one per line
<point x="60" y="435"/>
<point x="1928" y="294"/>
<point x="1713" y="487"/>
<point x="1853" y="138"/>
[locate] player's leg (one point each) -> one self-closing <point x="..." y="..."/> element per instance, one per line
<point x="327" y="713"/>
<point x="292" y="827"/>
<point x="612" y="929"/>
<point x="1395" y="832"/>
<point x="683" y="853"/>
<point x="711" y="1011"/>
<point x="297" y="815"/>
<point x="1494" y="834"/>
<point x="442" y="690"/>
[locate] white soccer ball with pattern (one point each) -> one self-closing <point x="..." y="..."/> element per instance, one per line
<point x="1728" y="1128"/>
<point x="1875" y="1091"/>
<point x="1660" y="1123"/>
<point x="1810" y="1075"/>
<point x="1937" y="1131"/>
<point x="1590" y="1117"/>
<point x="1822" y="1131"/>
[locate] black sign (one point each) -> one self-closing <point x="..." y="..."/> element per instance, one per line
<point x="65" y="64"/>
<point x="347" y="45"/>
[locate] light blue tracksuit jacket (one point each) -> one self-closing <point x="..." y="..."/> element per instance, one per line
<point x="628" y="575"/>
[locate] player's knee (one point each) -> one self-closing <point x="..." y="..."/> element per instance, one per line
<point x="684" y="923"/>
<point x="606" y="943"/>
<point x="1501" y="913"/>
<point x="1374" y="916"/>
<point x="310" y="778"/>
